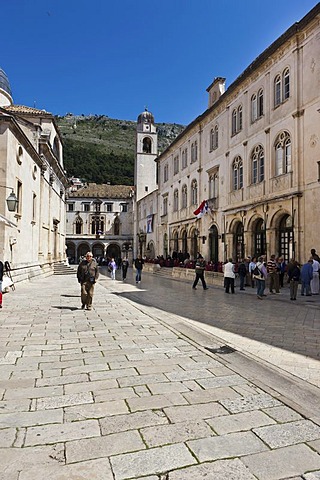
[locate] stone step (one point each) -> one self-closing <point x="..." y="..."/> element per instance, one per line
<point x="62" y="269"/>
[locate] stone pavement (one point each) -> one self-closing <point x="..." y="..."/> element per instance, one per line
<point x="127" y="392"/>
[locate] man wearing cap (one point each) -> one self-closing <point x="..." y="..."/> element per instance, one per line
<point x="87" y="274"/>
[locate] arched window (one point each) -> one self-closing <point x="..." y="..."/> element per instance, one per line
<point x="260" y="103"/>
<point x="214" y="244"/>
<point x="184" y="242"/>
<point x="184" y="196"/>
<point x="97" y="225"/>
<point x="257" y="105"/>
<point x="234" y="122"/>
<point x="175" y="201"/>
<point x="146" y="145"/>
<point x="238" y="242"/>
<point x="259" y="235"/>
<point x="277" y="90"/>
<point x="254" y="109"/>
<point x="286" y="83"/>
<point x="282" y="87"/>
<point x="283" y="163"/>
<point x="176" y="242"/>
<point x="194" y="192"/>
<point x="237" y="169"/>
<point x="239" y="122"/>
<point x="214" y="185"/>
<point x="257" y="162"/>
<point x="117" y="226"/>
<point x="79" y="224"/>
<point x="286" y="243"/>
<point x="192" y="152"/>
<point x="214" y="138"/>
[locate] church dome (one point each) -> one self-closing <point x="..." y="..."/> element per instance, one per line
<point x="146" y="117"/>
<point x="4" y="82"/>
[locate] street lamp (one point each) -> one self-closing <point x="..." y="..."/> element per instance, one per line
<point x="12" y="200"/>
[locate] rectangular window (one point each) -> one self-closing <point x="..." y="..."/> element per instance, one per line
<point x="176" y="165"/>
<point x="109" y="207"/>
<point x="165" y="206"/>
<point x="254" y="171"/>
<point x="279" y="163"/>
<point x="34" y="207"/>
<point x="124" y="207"/>
<point x="165" y="173"/>
<point x="184" y="158"/>
<point x="86" y="207"/>
<point x="19" y="197"/>
<point x="70" y="207"/>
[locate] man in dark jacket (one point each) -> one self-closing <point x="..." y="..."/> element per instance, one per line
<point x="242" y="272"/>
<point x="200" y="267"/>
<point x="87" y="274"/>
<point x="306" y="277"/>
<point x="138" y="263"/>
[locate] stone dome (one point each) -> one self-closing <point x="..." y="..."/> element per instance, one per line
<point x="146" y="117"/>
<point x="4" y="82"/>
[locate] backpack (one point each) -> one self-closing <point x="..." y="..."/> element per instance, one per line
<point x="257" y="272"/>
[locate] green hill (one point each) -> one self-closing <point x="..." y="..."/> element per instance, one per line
<point x="102" y="150"/>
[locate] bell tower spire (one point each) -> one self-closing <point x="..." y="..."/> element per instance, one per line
<point x="146" y="152"/>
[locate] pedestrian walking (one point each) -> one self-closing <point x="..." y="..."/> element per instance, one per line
<point x="125" y="265"/>
<point x="273" y="271"/>
<point x="306" y="277"/>
<point x="138" y="263"/>
<point x="242" y="272"/>
<point x="229" y="276"/>
<point x="87" y="274"/>
<point x="282" y="270"/>
<point x="260" y="275"/>
<point x="252" y="266"/>
<point x="112" y="268"/>
<point x="199" y="269"/>
<point x="293" y="279"/>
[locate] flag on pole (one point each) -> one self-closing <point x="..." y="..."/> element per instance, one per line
<point x="202" y="209"/>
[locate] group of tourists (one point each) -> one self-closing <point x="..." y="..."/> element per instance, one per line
<point x="256" y="271"/>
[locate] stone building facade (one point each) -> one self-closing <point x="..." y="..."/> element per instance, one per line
<point x="253" y="155"/>
<point x="100" y="219"/>
<point x="32" y="238"/>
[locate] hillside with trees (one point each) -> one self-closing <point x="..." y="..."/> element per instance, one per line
<point x="102" y="150"/>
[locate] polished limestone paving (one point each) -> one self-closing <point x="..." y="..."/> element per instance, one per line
<point x="130" y="390"/>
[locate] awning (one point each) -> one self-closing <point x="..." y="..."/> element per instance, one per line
<point x="8" y="222"/>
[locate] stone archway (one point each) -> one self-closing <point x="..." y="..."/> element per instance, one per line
<point x="213" y="244"/>
<point x="82" y="249"/>
<point x="285" y="238"/>
<point x="71" y="252"/>
<point x="238" y="242"/>
<point x="113" y="251"/>
<point x="98" y="250"/>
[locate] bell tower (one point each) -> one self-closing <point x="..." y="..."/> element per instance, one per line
<point x="145" y="174"/>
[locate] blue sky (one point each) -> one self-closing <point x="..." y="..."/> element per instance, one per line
<point x="117" y="57"/>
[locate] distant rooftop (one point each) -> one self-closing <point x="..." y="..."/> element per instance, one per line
<point x="93" y="190"/>
<point x="23" y="110"/>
